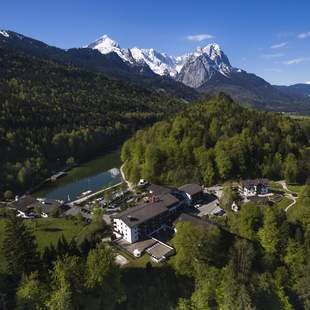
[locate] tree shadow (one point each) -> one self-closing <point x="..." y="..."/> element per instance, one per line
<point x="52" y="229"/>
<point x="154" y="288"/>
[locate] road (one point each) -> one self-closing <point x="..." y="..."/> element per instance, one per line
<point x="288" y="194"/>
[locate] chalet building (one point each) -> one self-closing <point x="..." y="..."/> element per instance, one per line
<point x="137" y="223"/>
<point x="26" y="206"/>
<point x="254" y="187"/>
<point x="193" y="192"/>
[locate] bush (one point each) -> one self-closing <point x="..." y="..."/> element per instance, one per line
<point x="8" y="195"/>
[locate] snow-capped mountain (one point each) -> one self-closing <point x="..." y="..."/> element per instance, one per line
<point x="106" y="45"/>
<point x="214" y="52"/>
<point x="160" y="63"/>
<point x="210" y="56"/>
<point x="203" y="64"/>
<point x="4" y="33"/>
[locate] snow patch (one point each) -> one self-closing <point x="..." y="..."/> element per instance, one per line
<point x="4" y="33"/>
<point x="106" y="45"/>
<point x="161" y="63"/>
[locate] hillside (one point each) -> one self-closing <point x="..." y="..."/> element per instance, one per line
<point x="301" y="90"/>
<point x="251" y="90"/>
<point x="110" y="64"/>
<point x="50" y="112"/>
<point x="218" y="140"/>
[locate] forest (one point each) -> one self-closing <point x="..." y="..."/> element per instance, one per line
<point x="217" y="140"/>
<point x="51" y="114"/>
<point x="265" y="266"/>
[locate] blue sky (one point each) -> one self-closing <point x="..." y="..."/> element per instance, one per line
<point x="269" y="38"/>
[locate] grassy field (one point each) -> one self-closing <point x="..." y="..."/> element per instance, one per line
<point x="47" y="231"/>
<point x="295" y="188"/>
<point x="275" y="187"/>
<point x="284" y="202"/>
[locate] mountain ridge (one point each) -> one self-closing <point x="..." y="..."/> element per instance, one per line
<point x="109" y="64"/>
<point x="207" y="70"/>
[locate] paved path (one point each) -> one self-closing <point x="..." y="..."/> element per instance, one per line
<point x="129" y="184"/>
<point x="288" y="194"/>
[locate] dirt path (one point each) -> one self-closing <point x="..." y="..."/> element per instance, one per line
<point x="129" y="184"/>
<point x="288" y="194"/>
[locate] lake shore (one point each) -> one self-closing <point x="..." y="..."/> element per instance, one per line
<point x="93" y="175"/>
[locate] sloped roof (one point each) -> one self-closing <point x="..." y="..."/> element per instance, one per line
<point x="191" y="189"/>
<point x="254" y="182"/>
<point x="141" y="213"/>
<point x="23" y="203"/>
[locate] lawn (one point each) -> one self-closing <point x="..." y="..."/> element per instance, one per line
<point x="275" y="187"/>
<point x="295" y="188"/>
<point x="284" y="202"/>
<point x="46" y="231"/>
<point x="49" y="230"/>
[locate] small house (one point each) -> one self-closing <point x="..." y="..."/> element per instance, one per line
<point x="193" y="192"/>
<point x="254" y="187"/>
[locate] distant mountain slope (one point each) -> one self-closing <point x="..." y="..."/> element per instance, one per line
<point x="302" y="90"/>
<point x="209" y="71"/>
<point x="50" y="112"/>
<point x="254" y="91"/>
<point x="109" y="64"/>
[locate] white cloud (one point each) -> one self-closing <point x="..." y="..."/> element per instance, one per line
<point x="295" y="61"/>
<point x="304" y="35"/>
<point x="308" y="82"/>
<point x="279" y="45"/>
<point x="200" y="37"/>
<point x="270" y="56"/>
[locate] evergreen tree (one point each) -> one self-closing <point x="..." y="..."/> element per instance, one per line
<point x="19" y="247"/>
<point x="67" y="283"/>
<point x="103" y="277"/>
<point x="31" y="293"/>
<point x="291" y="171"/>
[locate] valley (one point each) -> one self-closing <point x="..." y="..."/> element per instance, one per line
<point x="132" y="178"/>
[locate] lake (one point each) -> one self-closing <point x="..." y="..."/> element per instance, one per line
<point x="93" y="175"/>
